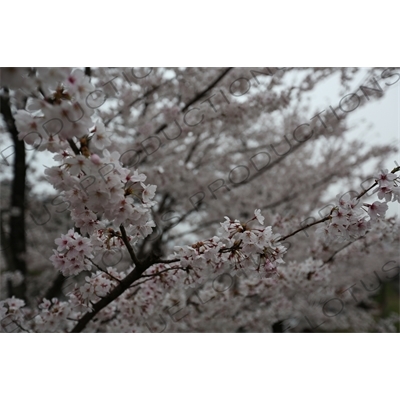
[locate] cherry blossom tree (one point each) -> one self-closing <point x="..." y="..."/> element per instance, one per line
<point x="194" y="200"/>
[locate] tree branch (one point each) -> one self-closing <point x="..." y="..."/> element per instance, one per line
<point x="304" y="227"/>
<point x="339" y="250"/>
<point x="393" y="171"/>
<point x="17" y="238"/>
<point x="129" y="247"/>
<point x="105" y="301"/>
<point x="120" y="112"/>
<point x="198" y="96"/>
<point x="209" y="87"/>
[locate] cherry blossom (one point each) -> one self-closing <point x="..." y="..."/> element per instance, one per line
<point x="377" y="209"/>
<point x="149" y="177"/>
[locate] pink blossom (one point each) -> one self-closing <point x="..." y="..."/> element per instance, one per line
<point x="377" y="209"/>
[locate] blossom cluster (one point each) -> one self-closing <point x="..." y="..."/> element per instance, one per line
<point x="100" y="189"/>
<point x="52" y="315"/>
<point x="102" y="195"/>
<point x="12" y="309"/>
<point x="96" y="286"/>
<point x="351" y="218"/>
<point x="238" y="245"/>
<point x="100" y="192"/>
<point x="73" y="254"/>
<point x="388" y="186"/>
<point x="63" y="114"/>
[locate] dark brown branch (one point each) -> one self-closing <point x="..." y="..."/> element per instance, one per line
<point x="120" y="112"/>
<point x="208" y="88"/>
<point x="104" y="302"/>
<point x="304" y="227"/>
<point x="17" y="237"/>
<point x="123" y="285"/>
<point x="199" y="95"/>
<point x="163" y="271"/>
<point x="55" y="289"/>
<point x="102" y="270"/>
<point x="5" y="245"/>
<point x="128" y="246"/>
<point x="151" y="276"/>
<point x="167" y="261"/>
<point x="74" y="147"/>
<point x="271" y="165"/>
<point x="192" y="149"/>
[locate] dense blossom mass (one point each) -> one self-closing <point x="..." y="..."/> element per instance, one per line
<point x="147" y="165"/>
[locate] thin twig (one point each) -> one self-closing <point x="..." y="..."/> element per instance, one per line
<point x="104" y="271"/>
<point x="393" y="171"/>
<point x="161" y="272"/>
<point x="304" y="227"/>
<point x="339" y="250"/>
<point x="128" y="246"/>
